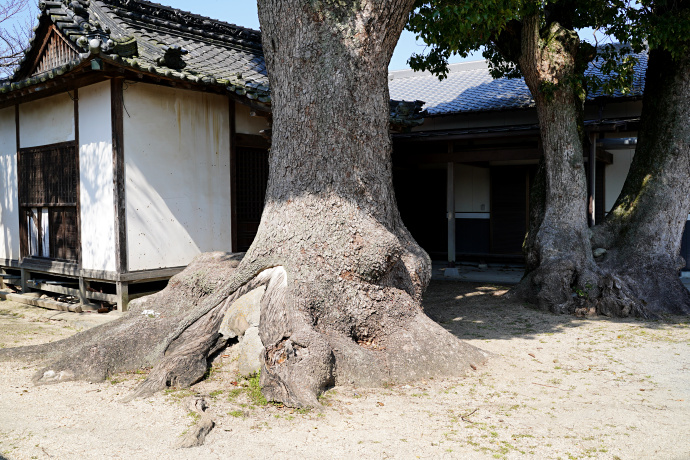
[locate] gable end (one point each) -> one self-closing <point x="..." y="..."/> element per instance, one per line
<point x="54" y="52"/>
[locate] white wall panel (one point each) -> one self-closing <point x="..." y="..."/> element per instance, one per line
<point x="615" y="176"/>
<point x="96" y="178"/>
<point x="9" y="212"/>
<point x="177" y="158"/>
<point x="472" y="189"/>
<point x="245" y="123"/>
<point x="46" y="121"/>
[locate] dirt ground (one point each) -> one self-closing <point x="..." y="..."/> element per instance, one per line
<point x="556" y="388"/>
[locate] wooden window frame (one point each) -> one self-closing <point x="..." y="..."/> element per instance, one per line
<point x="54" y="205"/>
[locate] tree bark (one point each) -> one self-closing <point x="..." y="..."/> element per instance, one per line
<point x="344" y="278"/>
<point x="642" y="233"/>
<point x="558" y="254"/>
<point x="351" y="311"/>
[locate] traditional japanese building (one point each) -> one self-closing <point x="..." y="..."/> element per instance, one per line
<point x="126" y="138"/>
<point x="133" y="136"/>
<point x="463" y="177"/>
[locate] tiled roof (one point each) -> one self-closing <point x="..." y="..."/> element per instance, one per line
<point x="155" y="39"/>
<point x="470" y="88"/>
<point x="162" y="41"/>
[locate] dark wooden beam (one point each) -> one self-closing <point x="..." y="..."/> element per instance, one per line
<point x="604" y="156"/>
<point x="473" y="156"/>
<point x="591" y="178"/>
<point x="254" y="105"/>
<point x="23" y="225"/>
<point x="449" y="136"/>
<point x="50" y="88"/>
<point x="252" y="141"/>
<point x="450" y="208"/>
<point x="614" y="126"/>
<point x="77" y="148"/>
<point x="260" y="113"/>
<point x="117" y="110"/>
<point x="233" y="176"/>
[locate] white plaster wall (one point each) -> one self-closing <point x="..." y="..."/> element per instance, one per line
<point x="177" y="158"/>
<point x="472" y="189"/>
<point x="96" y="178"/>
<point x="245" y="123"/>
<point x="46" y="121"/>
<point x="615" y="175"/>
<point x="9" y="205"/>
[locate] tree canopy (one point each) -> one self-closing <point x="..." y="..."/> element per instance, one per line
<point x="455" y="27"/>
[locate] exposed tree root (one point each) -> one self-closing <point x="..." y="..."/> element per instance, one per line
<point x="301" y="358"/>
<point x="344" y="278"/>
<point x="632" y="289"/>
<point x="197" y="434"/>
<point x="186" y="360"/>
<point x="144" y="335"/>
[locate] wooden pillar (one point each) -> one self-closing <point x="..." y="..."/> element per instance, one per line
<point x="25" y="277"/>
<point x="82" y="291"/>
<point x="592" y="180"/>
<point x="117" y="118"/>
<point x="77" y="152"/>
<point x="233" y="177"/>
<point x="450" y="209"/>
<point x="122" y="296"/>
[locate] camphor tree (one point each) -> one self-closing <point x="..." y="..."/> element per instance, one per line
<point x="538" y="40"/>
<point x="342" y="274"/>
<point x="643" y="231"/>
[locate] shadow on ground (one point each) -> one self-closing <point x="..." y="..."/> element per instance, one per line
<point x="481" y="311"/>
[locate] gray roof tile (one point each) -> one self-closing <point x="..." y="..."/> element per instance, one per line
<point x="215" y="49"/>
<point x="470" y="88"/>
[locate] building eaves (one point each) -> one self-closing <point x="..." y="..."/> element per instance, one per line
<point x="469" y="88"/>
<point x="151" y="38"/>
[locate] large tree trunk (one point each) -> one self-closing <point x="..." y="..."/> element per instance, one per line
<point x="642" y="234"/>
<point x="558" y="255"/>
<point x="351" y="310"/>
<point x="343" y="276"/>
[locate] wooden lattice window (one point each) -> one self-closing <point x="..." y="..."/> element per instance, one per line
<point x="48" y="183"/>
<point x="252" y="177"/>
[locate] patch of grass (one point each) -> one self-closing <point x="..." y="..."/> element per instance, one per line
<point x="236" y="414"/>
<point x="254" y="390"/>
<point x="234" y="393"/>
<point x="178" y="393"/>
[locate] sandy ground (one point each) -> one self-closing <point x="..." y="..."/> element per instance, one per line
<point x="556" y="387"/>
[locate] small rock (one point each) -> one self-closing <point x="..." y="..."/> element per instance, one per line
<point x="243" y="314"/>
<point x="599" y="252"/>
<point x="249" y="351"/>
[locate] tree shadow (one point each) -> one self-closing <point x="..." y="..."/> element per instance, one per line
<point x="482" y="311"/>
